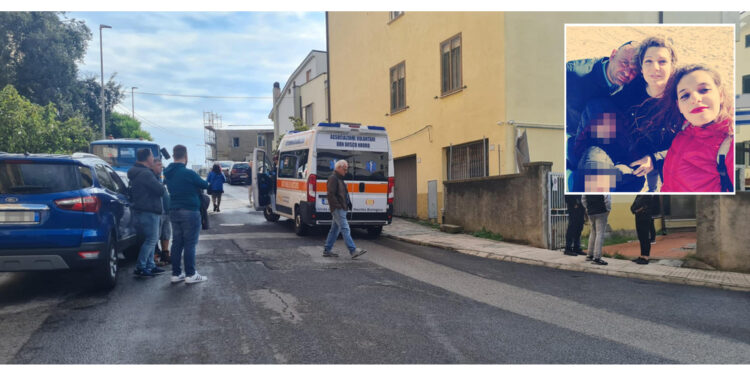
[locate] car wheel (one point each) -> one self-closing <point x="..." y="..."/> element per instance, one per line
<point x="270" y="216"/>
<point x="375" y="231"/>
<point x="299" y="227"/>
<point x="107" y="269"/>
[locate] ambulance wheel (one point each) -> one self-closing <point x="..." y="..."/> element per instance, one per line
<point x="375" y="231"/>
<point x="270" y="216"/>
<point x="299" y="227"/>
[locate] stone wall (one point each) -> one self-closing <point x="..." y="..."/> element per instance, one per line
<point x="512" y="205"/>
<point x="722" y="231"/>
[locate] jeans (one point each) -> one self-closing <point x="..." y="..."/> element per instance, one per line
<point x="596" y="237"/>
<point x="575" y="226"/>
<point x="643" y="224"/>
<point x="165" y="228"/>
<point x="186" y="227"/>
<point x="595" y="161"/>
<point x="339" y="224"/>
<point x="147" y="225"/>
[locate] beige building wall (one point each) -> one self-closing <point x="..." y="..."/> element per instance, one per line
<point x="535" y="61"/>
<point x="314" y="93"/>
<point x="248" y="140"/>
<point x="363" y="46"/>
<point x="743" y="69"/>
<point x="513" y="66"/>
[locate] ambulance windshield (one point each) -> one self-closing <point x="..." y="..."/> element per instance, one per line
<point x="363" y="165"/>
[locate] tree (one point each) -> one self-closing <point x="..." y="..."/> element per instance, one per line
<point x="38" y="56"/>
<point x="123" y="126"/>
<point x="28" y="127"/>
<point x="86" y="100"/>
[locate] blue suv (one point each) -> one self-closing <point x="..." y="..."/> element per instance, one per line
<point x="63" y="212"/>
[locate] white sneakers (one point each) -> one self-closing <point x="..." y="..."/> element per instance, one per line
<point x="195" y="278"/>
<point x="189" y="280"/>
<point x="177" y="279"/>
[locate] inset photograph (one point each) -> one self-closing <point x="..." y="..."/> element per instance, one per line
<point x="649" y="109"/>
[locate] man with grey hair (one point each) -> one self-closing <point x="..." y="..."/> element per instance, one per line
<point x="339" y="202"/>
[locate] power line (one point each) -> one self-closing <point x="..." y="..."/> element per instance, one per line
<point x="150" y="123"/>
<point x="204" y="96"/>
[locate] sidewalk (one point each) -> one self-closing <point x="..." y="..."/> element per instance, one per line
<point x="422" y="235"/>
<point x="672" y="246"/>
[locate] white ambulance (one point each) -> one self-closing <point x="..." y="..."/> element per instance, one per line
<point x="296" y="188"/>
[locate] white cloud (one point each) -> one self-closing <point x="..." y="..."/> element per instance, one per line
<point x="208" y="53"/>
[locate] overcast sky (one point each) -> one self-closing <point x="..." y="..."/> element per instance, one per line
<point x="199" y="53"/>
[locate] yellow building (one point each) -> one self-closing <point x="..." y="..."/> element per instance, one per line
<point x="742" y="135"/>
<point x="456" y="89"/>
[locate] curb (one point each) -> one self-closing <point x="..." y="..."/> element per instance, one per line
<point x="579" y="267"/>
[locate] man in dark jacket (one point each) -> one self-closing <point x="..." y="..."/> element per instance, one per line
<point x="338" y="202"/>
<point x="184" y="211"/>
<point x="589" y="79"/>
<point x="146" y="193"/>
<point x="576" y="212"/>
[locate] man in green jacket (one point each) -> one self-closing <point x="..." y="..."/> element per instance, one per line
<point x="184" y="211"/>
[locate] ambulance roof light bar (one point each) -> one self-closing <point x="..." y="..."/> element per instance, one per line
<point x="350" y="125"/>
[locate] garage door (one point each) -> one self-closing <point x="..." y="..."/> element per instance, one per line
<point x="405" y="190"/>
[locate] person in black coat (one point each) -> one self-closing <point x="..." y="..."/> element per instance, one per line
<point x="576" y="213"/>
<point x="641" y="208"/>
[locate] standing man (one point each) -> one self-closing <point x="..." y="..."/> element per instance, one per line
<point x="184" y="211"/>
<point x="338" y="202"/>
<point x="165" y="226"/>
<point x="146" y="192"/>
<point x="590" y="79"/>
<point x="576" y="212"/>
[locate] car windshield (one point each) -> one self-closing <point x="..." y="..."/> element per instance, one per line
<point x="363" y="166"/>
<point x="121" y="155"/>
<point x="241" y="166"/>
<point x="225" y="164"/>
<point x="37" y="178"/>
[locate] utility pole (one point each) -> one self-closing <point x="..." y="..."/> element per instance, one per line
<point x="132" y="100"/>
<point x="101" y="56"/>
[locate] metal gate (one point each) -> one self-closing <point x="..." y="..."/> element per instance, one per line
<point x="557" y="211"/>
<point x="405" y="190"/>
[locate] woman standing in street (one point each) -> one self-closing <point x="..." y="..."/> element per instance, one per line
<point x="641" y="208"/>
<point x="597" y="207"/>
<point x="216" y="181"/>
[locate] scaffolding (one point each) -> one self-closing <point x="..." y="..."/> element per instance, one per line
<point x="211" y="122"/>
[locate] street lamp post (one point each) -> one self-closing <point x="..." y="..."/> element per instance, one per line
<point x="132" y="100"/>
<point x="101" y="57"/>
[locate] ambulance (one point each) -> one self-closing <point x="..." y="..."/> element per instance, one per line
<point x="296" y="188"/>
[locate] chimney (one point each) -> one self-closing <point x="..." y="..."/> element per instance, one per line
<point x="276" y="91"/>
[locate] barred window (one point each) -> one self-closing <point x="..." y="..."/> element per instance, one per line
<point x="467" y="161"/>
<point x="746" y="84"/>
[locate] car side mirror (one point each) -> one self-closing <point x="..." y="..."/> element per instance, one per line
<point x="164" y="153"/>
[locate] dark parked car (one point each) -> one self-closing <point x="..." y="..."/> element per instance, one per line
<point x="63" y="212"/>
<point x="240" y="173"/>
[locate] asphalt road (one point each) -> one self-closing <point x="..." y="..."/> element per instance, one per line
<point x="272" y="298"/>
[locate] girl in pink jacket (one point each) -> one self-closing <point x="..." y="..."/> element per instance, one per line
<point x="696" y="99"/>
